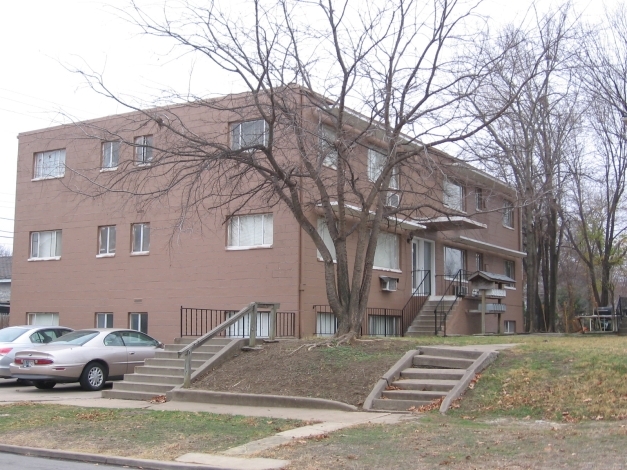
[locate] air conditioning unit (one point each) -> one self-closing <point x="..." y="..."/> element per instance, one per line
<point x="393" y="200"/>
<point x="475" y="293"/>
<point x="388" y="284"/>
<point x="460" y="291"/>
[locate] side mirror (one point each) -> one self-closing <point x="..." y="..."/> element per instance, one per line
<point x="160" y="345"/>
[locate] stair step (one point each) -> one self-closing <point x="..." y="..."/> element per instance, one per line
<point x="432" y="374"/>
<point x="205" y="348"/>
<point x="128" y="395"/>
<point x="197" y="356"/>
<point x="154" y="388"/>
<point x="222" y="341"/>
<point x="398" y="405"/>
<point x="412" y="395"/>
<point x="159" y="362"/>
<point x="158" y="379"/>
<point x="412" y="334"/>
<point x="443" y="362"/>
<point x="451" y="352"/>
<point x="156" y="370"/>
<point x="425" y="384"/>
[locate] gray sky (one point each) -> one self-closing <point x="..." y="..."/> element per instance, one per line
<point x="39" y="37"/>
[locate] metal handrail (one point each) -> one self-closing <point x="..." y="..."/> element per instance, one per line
<point x="415" y="303"/>
<point x="457" y="279"/>
<point x="251" y="308"/>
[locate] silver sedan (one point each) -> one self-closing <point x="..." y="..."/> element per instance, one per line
<point x="18" y="338"/>
<point x="91" y="357"/>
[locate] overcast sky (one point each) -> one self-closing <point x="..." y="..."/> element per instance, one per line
<point x="41" y="39"/>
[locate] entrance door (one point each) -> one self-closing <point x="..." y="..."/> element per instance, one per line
<point x="422" y="261"/>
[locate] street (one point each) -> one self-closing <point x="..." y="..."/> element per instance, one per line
<point x="34" y="463"/>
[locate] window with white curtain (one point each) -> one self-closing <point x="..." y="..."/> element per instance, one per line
<point x="138" y="321"/>
<point x="453" y="195"/>
<point x="110" y="154"/>
<point x="45" y="245"/>
<point x="376" y="163"/>
<point x="249" y="133"/>
<point x="510" y="269"/>
<point x="247" y="231"/>
<point x="141" y="238"/>
<point x="143" y="149"/>
<point x="106" y="240"/>
<point x="386" y="254"/>
<point x="328" y="152"/>
<point x="323" y="231"/>
<point x="50" y="164"/>
<point x="454" y="260"/>
<point x="508" y="214"/>
<point x="104" y="320"/>
<point x="43" y="318"/>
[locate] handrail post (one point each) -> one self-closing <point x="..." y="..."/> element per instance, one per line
<point x="181" y="322"/>
<point x="188" y="369"/>
<point x="252" y="340"/>
<point x="272" y="326"/>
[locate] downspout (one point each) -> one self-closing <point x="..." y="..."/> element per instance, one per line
<point x="300" y="242"/>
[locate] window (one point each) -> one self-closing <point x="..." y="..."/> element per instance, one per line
<point x="510" y="326"/>
<point x="106" y="240"/>
<point x="479" y="260"/>
<point x="326" y="324"/>
<point x="138" y="322"/>
<point x="510" y="269"/>
<point x="328" y="152"/>
<point x="248" y="134"/>
<point x="104" y="320"/>
<point x="386" y="254"/>
<point x="46" y="336"/>
<point x="479" y="201"/>
<point x="323" y="231"/>
<point x="380" y="325"/>
<point x="141" y="238"/>
<point x="110" y="155"/>
<point x="453" y="195"/>
<point x="508" y="214"/>
<point x="241" y="328"/>
<point x="143" y="149"/>
<point x="454" y="260"/>
<point x="138" y="340"/>
<point x="250" y="230"/>
<point x="376" y="163"/>
<point x="49" y="164"/>
<point x="45" y="245"/>
<point x="43" y="319"/>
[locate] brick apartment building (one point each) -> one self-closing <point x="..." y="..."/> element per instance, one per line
<point x="111" y="260"/>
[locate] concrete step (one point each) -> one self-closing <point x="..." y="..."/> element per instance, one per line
<point x="432" y="374"/>
<point x="205" y="348"/>
<point x="425" y="384"/>
<point x="412" y="395"/>
<point x="412" y="334"/>
<point x="159" y="379"/>
<point x="397" y="405"/>
<point x="222" y="341"/>
<point x="451" y="352"/>
<point x="128" y="395"/>
<point x="198" y="356"/>
<point x="155" y="370"/>
<point x="442" y="362"/>
<point x="153" y="361"/>
<point x="154" y="388"/>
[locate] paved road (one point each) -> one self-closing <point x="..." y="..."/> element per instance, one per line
<point x="12" y="391"/>
<point x="34" y="463"/>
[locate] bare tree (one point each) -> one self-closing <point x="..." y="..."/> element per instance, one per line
<point x="327" y="81"/>
<point x="5" y="251"/>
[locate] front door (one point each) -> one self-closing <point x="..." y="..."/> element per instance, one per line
<point x="423" y="266"/>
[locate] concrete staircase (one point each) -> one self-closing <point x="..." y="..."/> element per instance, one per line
<point x="164" y="372"/>
<point x="424" y="375"/>
<point x="424" y="323"/>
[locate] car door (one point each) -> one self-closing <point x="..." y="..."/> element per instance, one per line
<point x="116" y="354"/>
<point x="140" y="347"/>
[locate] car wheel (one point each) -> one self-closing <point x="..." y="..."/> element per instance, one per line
<point x="93" y="377"/>
<point x="44" y="384"/>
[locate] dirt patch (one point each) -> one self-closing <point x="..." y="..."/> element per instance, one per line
<point x="345" y="373"/>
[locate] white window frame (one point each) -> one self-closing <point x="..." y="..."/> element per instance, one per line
<point x="447" y="255"/>
<point x="106" y="241"/>
<point x="144" y="238"/>
<point x="141" y="321"/>
<point x="511" y="268"/>
<point x="43" y="318"/>
<point x="107" y="320"/>
<point x="509" y="326"/>
<point x="49" y="164"/>
<point x="508" y="214"/>
<point x="36" y="245"/>
<point x="326" y="324"/>
<point x="324" y="233"/>
<point x="265" y="231"/>
<point x="376" y="163"/>
<point x="390" y="239"/>
<point x="239" y="136"/>
<point x="143" y="149"/>
<point x="453" y="195"/>
<point x="328" y="152"/>
<point x="110" y="155"/>
<point x="479" y="261"/>
<point x="479" y="199"/>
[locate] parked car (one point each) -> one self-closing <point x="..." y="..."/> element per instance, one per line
<point x="18" y="338"/>
<point x="91" y="357"/>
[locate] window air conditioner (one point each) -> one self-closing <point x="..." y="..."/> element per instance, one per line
<point x="393" y="200"/>
<point x="475" y="292"/>
<point x="388" y="284"/>
<point x="460" y="291"/>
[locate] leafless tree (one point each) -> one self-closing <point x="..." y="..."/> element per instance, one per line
<point x="329" y="80"/>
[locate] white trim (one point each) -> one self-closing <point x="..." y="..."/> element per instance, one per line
<point x="389" y="270"/>
<point x="250" y="247"/>
<point x="407" y="224"/>
<point x="453" y="219"/>
<point x="113" y="168"/>
<point x="488" y="246"/>
<point x="509" y="287"/>
<point x="508" y="227"/>
<point x="47" y="178"/>
<point x="2" y="281"/>
<point x="139" y="253"/>
<point x="53" y="258"/>
<point x="105" y="255"/>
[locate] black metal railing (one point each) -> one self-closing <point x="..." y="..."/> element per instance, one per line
<point x="377" y="321"/>
<point x="449" y="285"/>
<point x="422" y="280"/>
<point x="198" y="321"/>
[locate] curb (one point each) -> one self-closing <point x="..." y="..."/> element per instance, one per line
<point x="103" y="459"/>
<point x="250" y="399"/>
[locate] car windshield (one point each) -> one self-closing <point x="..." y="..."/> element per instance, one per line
<point x="10" y="334"/>
<point x="76" y="337"/>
